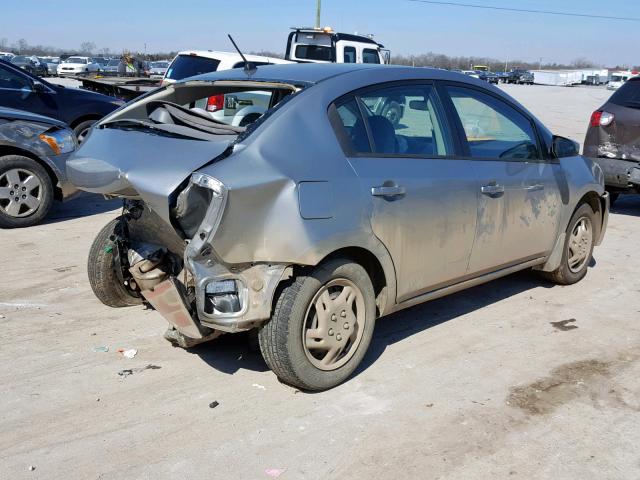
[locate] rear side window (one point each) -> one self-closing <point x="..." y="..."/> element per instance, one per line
<point x="628" y="95"/>
<point x="185" y="66"/>
<point x="12" y="80"/>
<point x="400" y="120"/>
<point x="369" y="55"/>
<point x="492" y="128"/>
<point x="349" y="55"/>
<point x="314" y="52"/>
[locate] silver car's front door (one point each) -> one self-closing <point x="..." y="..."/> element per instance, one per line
<point x="422" y="203"/>
<point x="519" y="205"/>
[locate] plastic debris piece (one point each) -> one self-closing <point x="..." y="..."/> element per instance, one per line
<point x="258" y="386"/>
<point x="132" y="352"/>
<point x="100" y="348"/>
<point x="214" y="404"/>
<point x="31" y="468"/>
<point x="2" y="316"/>
<point x="130" y="371"/>
<point x="274" y="472"/>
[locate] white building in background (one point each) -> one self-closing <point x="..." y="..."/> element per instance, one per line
<point x="591" y="76"/>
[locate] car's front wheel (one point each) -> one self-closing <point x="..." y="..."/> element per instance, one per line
<point x="82" y="129"/>
<point x="578" y="247"/>
<point x="26" y="192"/>
<point x="321" y="326"/>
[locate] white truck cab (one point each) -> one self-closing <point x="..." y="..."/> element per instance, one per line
<point x="323" y="45"/>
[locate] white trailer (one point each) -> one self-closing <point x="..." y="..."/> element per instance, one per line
<point x="563" y="78"/>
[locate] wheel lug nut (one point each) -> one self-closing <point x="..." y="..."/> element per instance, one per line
<point x="343" y="313"/>
<point x="16" y="186"/>
<point x="17" y="199"/>
<point x="330" y="332"/>
<point x="346" y="326"/>
<point x="11" y="193"/>
<point x="338" y="337"/>
<point x="333" y="317"/>
<point x="24" y="196"/>
<point x="24" y="189"/>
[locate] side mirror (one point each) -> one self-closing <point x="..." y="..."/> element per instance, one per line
<point x="564" y="147"/>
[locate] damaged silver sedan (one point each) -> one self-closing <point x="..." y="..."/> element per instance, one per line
<point x="362" y="190"/>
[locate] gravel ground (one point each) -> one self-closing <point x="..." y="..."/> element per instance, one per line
<point x="517" y="378"/>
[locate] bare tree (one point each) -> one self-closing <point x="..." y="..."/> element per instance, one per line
<point x="87" y="47"/>
<point x="22" y="45"/>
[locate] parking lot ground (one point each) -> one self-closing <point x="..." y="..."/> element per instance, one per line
<point x="517" y="378"/>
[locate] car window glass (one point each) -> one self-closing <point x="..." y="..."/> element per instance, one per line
<point x="354" y="126"/>
<point x="349" y="55"/>
<point x="314" y="52"/>
<point x="628" y="95"/>
<point x="185" y="66"/>
<point x="493" y="129"/>
<point x="13" y="80"/>
<point x="370" y="55"/>
<point x="406" y="120"/>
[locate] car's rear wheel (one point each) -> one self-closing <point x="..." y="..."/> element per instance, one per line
<point x="26" y="192"/>
<point x="101" y="268"/>
<point x="321" y="326"/>
<point x="578" y="247"/>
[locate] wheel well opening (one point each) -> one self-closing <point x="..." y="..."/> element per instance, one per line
<point x="593" y="200"/>
<point x="10" y="150"/>
<point x="79" y="120"/>
<point x="373" y="267"/>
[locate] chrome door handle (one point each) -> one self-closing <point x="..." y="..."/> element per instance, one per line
<point x="534" y="188"/>
<point x="384" y="191"/>
<point x="492" y="190"/>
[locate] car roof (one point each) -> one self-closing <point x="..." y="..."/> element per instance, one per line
<point x="313" y="73"/>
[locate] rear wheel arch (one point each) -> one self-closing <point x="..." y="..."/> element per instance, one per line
<point x="596" y="202"/>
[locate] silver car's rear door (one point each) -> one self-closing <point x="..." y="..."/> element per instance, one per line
<point x="423" y="203"/>
<point x="520" y="205"/>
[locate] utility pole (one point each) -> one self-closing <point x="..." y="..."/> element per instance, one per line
<point x="318" y="7"/>
<point x="540" y="64"/>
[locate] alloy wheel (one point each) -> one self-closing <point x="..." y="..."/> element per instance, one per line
<point x="20" y="192"/>
<point x="579" y="245"/>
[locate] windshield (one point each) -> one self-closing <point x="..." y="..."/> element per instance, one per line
<point x="76" y="60"/>
<point x="618" y="78"/>
<point x="20" y="58"/>
<point x="159" y="64"/>
<point x="113" y="63"/>
<point x="185" y="66"/>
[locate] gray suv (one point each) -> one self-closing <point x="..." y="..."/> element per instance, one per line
<point x="324" y="215"/>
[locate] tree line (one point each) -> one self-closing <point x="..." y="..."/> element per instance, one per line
<point x="429" y="59"/>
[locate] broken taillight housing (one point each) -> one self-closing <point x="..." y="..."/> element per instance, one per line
<point x="600" y="118"/>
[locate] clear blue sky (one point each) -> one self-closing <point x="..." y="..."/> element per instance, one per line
<point x="404" y="27"/>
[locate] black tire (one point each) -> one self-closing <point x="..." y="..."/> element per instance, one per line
<point x="102" y="274"/>
<point x="564" y="275"/>
<point x="281" y="339"/>
<point x="26" y="164"/>
<point x="82" y="129"/>
<point x="249" y="119"/>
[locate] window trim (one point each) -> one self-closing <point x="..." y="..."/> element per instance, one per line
<point x="345" y="141"/>
<point x="456" y="123"/>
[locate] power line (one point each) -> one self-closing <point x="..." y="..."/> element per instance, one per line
<point x="523" y="10"/>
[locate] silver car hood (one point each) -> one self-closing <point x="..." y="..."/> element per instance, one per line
<point x="138" y="164"/>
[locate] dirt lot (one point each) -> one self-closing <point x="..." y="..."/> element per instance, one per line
<point x="515" y="379"/>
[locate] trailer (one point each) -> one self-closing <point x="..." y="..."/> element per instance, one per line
<point x="564" y="78"/>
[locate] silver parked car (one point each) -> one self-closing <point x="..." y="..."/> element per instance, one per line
<point x="323" y="214"/>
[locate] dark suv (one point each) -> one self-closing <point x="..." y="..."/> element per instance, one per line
<point x="613" y="139"/>
<point x="77" y="108"/>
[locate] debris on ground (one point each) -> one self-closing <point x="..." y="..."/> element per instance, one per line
<point x="31" y="468"/>
<point x="258" y="386"/>
<point x="563" y="325"/>
<point x="429" y="405"/>
<point x="100" y="348"/>
<point x="274" y="472"/>
<point x="2" y="316"/>
<point x="130" y="353"/>
<point x="214" y="404"/>
<point x="130" y="371"/>
<point x="64" y="269"/>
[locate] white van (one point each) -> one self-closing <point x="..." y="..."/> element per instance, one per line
<point x="618" y="79"/>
